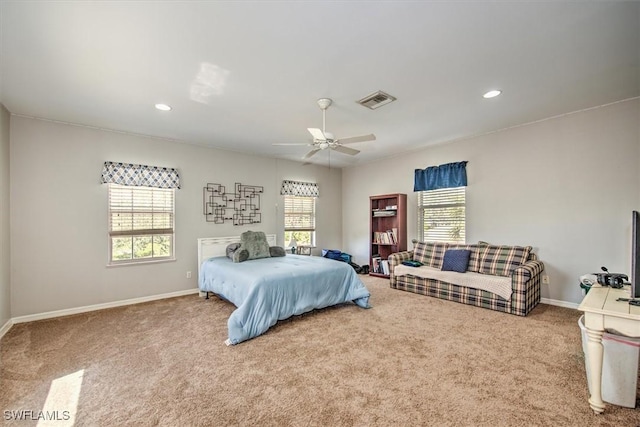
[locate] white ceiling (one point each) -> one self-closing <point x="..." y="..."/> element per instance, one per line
<point x="245" y="75"/>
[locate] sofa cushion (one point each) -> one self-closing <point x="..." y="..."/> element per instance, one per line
<point x="502" y="260"/>
<point x="430" y="254"/>
<point x="456" y="260"/>
<point x="498" y="285"/>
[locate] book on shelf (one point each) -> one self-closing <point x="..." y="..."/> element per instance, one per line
<point x="384" y="213"/>
<point x="379" y="265"/>
<point x="384" y="264"/>
<point x="389" y="237"/>
<point x="375" y="263"/>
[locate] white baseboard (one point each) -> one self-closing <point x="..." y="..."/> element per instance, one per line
<point x="559" y="303"/>
<point x="77" y="310"/>
<point x="5" y="328"/>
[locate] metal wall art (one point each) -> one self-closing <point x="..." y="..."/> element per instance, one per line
<point x="242" y="207"/>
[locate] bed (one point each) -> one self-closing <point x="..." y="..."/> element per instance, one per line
<point x="270" y="289"/>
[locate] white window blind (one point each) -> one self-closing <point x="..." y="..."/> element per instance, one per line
<point x="299" y="213"/>
<point x="141" y="222"/>
<point x="441" y="215"/>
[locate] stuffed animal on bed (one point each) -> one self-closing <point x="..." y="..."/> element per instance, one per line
<point x="253" y="245"/>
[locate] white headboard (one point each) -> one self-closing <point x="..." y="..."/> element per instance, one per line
<point x="216" y="246"/>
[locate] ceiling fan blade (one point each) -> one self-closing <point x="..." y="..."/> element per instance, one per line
<point x="352" y="139"/>
<point x="311" y="153"/>
<point x="317" y="133"/>
<point x="345" y="150"/>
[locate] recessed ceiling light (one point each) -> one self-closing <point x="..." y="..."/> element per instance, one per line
<point x="163" y="107"/>
<point x="492" y="94"/>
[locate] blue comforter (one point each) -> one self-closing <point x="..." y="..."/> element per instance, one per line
<point x="270" y="289"/>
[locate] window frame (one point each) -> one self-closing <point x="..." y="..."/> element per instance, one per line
<point x="134" y="233"/>
<point x="443" y="200"/>
<point x="309" y="229"/>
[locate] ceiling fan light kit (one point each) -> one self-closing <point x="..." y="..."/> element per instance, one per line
<point x="324" y="103"/>
<point x="323" y="139"/>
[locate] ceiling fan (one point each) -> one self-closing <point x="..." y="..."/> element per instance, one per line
<point x="323" y="139"/>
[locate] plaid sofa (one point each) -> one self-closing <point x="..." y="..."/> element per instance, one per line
<point x="518" y="262"/>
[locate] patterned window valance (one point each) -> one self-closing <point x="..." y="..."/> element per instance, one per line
<point x="297" y="188"/>
<point x="139" y="175"/>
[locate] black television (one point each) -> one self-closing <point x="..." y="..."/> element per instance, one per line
<point x="635" y="253"/>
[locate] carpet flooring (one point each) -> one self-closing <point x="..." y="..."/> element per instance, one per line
<point x="411" y="360"/>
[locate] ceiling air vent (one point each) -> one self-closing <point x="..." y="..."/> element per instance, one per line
<point x="376" y="100"/>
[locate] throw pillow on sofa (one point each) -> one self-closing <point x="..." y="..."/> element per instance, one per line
<point x="430" y="254"/>
<point x="476" y="253"/>
<point x="502" y="260"/>
<point x="456" y="260"/>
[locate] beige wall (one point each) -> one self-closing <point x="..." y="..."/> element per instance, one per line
<point x="5" y="255"/>
<point x="59" y="212"/>
<point x="565" y="186"/>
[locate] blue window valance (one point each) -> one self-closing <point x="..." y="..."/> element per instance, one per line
<point x="297" y="188"/>
<point x="140" y="175"/>
<point x="449" y="175"/>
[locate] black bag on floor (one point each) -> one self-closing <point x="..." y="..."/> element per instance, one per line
<point x="364" y="269"/>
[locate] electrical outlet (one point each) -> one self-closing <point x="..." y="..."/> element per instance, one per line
<point x="545" y="280"/>
<point x="188" y="275"/>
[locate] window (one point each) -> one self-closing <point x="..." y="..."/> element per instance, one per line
<point x="300" y="220"/>
<point x="441" y="215"/>
<point x="141" y="222"/>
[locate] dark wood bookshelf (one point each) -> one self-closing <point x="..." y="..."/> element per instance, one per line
<point x="388" y="231"/>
